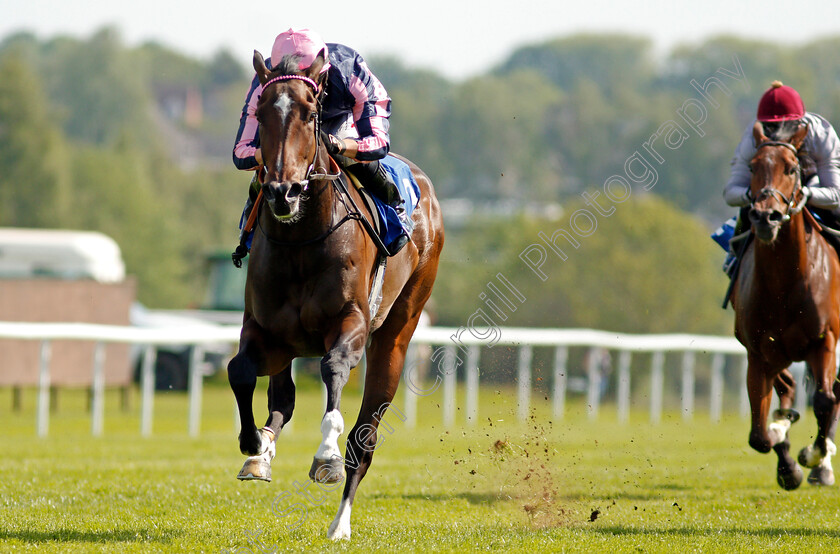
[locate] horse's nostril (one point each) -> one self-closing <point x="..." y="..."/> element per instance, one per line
<point x="294" y="191"/>
<point x="775" y="217"/>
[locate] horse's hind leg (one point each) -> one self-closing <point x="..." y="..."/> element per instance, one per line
<point x="818" y="456"/>
<point x="788" y="473"/>
<point x="760" y="381"/>
<point x="344" y="354"/>
<point x="281" y="400"/>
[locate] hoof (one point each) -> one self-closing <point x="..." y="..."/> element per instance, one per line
<point x="256" y="467"/>
<point x="789" y="480"/>
<point x="327" y="471"/>
<point x="823" y="476"/>
<point x="788" y="414"/>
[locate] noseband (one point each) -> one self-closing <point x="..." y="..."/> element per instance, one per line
<point x="792" y="209"/>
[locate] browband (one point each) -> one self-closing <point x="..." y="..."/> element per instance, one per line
<point x="303" y="78"/>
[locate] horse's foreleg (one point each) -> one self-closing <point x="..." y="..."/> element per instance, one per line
<point x="281" y="402"/>
<point x="818" y="456"/>
<point x="760" y="381"/>
<point x="788" y="474"/>
<point x="252" y="360"/>
<point x="785" y="416"/>
<point x="344" y="354"/>
<point x="759" y="389"/>
<point x="242" y="376"/>
<point x="386" y="357"/>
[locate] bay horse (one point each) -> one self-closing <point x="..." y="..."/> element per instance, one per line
<point x="308" y="286"/>
<point x="787" y="308"/>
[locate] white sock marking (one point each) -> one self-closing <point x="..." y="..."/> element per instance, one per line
<point x="331" y="428"/>
<point x="340" y="527"/>
<point x="778" y="431"/>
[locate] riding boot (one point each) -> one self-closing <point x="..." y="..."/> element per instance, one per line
<point x="377" y="180"/>
<point x="829" y="219"/>
<point x="374" y="177"/>
<point x="736" y="244"/>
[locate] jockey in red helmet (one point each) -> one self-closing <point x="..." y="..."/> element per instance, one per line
<point x="781" y="111"/>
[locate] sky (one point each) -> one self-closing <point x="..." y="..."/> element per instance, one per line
<point x="456" y="38"/>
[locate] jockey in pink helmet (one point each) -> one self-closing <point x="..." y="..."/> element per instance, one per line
<point x="781" y="112"/>
<point x="355" y="111"/>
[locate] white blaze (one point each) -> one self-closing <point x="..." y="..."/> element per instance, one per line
<point x="284" y="106"/>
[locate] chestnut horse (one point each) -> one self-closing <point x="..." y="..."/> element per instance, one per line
<point x="308" y="286"/>
<point x="787" y="308"/>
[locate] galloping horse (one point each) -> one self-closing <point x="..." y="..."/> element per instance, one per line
<point x="787" y="308"/>
<point x="308" y="287"/>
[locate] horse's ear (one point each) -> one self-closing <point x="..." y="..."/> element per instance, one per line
<point x="799" y="136"/>
<point x="314" y="70"/>
<point x="260" y="68"/>
<point x="758" y="133"/>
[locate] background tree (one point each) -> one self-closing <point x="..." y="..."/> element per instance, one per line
<point x="34" y="185"/>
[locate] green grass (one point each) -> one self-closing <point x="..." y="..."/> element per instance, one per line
<point x="535" y="487"/>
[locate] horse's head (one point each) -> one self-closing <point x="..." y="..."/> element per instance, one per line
<point x="776" y="186"/>
<point x="288" y="115"/>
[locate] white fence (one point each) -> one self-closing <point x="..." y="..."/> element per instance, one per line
<point x="450" y="343"/>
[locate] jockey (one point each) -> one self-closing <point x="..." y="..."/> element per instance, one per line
<point x="781" y="111"/>
<point x="354" y="114"/>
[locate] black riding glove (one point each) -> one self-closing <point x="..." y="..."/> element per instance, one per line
<point x="335" y="146"/>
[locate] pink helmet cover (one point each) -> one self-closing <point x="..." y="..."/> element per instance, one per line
<point x="300" y="42"/>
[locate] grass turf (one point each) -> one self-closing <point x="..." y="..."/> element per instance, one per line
<point x="568" y="485"/>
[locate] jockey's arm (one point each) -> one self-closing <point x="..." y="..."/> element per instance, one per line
<point x="351" y="147"/>
<point x="825" y="187"/>
<point x="736" y="192"/>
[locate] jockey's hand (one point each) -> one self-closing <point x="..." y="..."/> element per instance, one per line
<point x="335" y="146"/>
<point x="806" y="193"/>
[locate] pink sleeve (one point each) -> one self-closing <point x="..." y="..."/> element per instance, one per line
<point x="247" y="137"/>
<point x="371" y="112"/>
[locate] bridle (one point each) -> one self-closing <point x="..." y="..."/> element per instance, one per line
<point x="324" y="174"/>
<point x="792" y="209"/>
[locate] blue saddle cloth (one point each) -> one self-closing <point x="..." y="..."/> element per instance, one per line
<point x="392" y="226"/>
<point x="725" y="232"/>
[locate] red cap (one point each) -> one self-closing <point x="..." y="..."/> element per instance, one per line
<point x="780" y="103"/>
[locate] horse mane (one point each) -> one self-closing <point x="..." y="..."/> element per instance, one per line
<point x="287" y="65"/>
<point x="782" y="132"/>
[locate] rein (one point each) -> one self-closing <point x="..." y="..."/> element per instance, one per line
<point x="330" y="230"/>
<point x="792" y="209"/>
